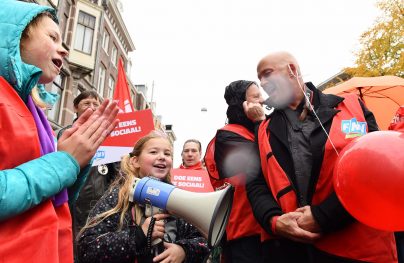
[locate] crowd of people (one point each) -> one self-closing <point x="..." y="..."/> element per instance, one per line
<point x="284" y="206"/>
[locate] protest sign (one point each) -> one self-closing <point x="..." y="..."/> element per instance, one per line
<point x="191" y="180"/>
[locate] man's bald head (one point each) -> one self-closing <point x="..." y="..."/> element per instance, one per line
<point x="277" y="60"/>
<point x="280" y="70"/>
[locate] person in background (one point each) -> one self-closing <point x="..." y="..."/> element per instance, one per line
<point x="120" y="231"/>
<point x="87" y="99"/>
<point x="35" y="222"/>
<point x="231" y="157"/>
<point x="299" y="142"/>
<point x="99" y="177"/>
<point x="191" y="155"/>
<point x="397" y="123"/>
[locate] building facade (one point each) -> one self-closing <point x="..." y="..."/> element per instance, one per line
<point x="334" y="80"/>
<point x="96" y="37"/>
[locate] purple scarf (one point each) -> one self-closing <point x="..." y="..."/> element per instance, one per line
<point x="47" y="142"/>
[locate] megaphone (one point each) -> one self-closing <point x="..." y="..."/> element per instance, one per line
<point x="208" y="212"/>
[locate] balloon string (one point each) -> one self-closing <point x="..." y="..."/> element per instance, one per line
<point x="315" y="114"/>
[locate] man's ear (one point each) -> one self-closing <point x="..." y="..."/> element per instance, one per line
<point x="293" y="70"/>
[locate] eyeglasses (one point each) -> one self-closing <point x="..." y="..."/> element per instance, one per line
<point x="88" y="104"/>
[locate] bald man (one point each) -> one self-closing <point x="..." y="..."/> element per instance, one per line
<point x="294" y="200"/>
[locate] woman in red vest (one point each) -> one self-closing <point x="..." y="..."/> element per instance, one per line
<point x="231" y="157"/>
<point x="299" y="145"/>
<point x="35" y="222"/>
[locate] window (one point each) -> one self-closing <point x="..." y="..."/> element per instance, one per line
<point x="105" y="41"/>
<point x="139" y="102"/>
<point x="57" y="87"/>
<point x="64" y="20"/>
<point x="101" y="81"/>
<point x="111" y="87"/>
<point x="128" y="68"/>
<point x="114" y="55"/>
<point x="84" y="32"/>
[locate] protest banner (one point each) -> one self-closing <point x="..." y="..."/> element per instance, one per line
<point x="191" y="180"/>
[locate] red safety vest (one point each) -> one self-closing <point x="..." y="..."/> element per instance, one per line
<point x="241" y="222"/>
<point x="356" y="241"/>
<point x="44" y="232"/>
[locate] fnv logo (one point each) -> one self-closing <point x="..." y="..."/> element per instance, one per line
<point x="352" y="128"/>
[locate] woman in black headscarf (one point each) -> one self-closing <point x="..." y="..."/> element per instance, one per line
<point x="232" y="157"/>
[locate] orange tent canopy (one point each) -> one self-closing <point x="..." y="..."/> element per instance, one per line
<point x="382" y="95"/>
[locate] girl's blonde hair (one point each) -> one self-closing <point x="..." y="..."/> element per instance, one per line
<point x="124" y="182"/>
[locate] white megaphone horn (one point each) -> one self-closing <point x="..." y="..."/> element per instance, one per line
<point x="208" y="212"/>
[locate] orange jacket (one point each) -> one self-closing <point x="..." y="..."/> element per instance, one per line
<point x="356" y="241"/>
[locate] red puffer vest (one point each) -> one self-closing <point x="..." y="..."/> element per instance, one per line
<point x="44" y="232"/>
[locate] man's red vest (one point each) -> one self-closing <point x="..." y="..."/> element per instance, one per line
<point x="356" y="241"/>
<point x="44" y="232"/>
<point x="241" y="222"/>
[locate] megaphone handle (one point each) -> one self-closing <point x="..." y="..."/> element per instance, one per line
<point x="150" y="232"/>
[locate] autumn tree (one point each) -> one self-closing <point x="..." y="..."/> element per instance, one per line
<point x="382" y="51"/>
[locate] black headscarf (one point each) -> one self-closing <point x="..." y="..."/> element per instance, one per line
<point x="235" y="96"/>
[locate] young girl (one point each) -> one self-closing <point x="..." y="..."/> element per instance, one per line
<point x="116" y="229"/>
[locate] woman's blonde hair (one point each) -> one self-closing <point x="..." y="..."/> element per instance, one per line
<point x="124" y="182"/>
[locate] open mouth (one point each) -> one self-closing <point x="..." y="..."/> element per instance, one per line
<point x="57" y="62"/>
<point x="160" y="166"/>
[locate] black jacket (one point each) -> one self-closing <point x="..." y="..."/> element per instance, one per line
<point x="104" y="243"/>
<point x="330" y="214"/>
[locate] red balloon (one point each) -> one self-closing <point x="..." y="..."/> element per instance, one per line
<point x="369" y="179"/>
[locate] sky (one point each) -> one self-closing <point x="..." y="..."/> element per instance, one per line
<point x="192" y="50"/>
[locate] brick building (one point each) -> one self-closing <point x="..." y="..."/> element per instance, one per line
<point x="96" y="37"/>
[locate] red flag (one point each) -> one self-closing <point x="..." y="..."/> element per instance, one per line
<point x="121" y="94"/>
<point x="131" y="127"/>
